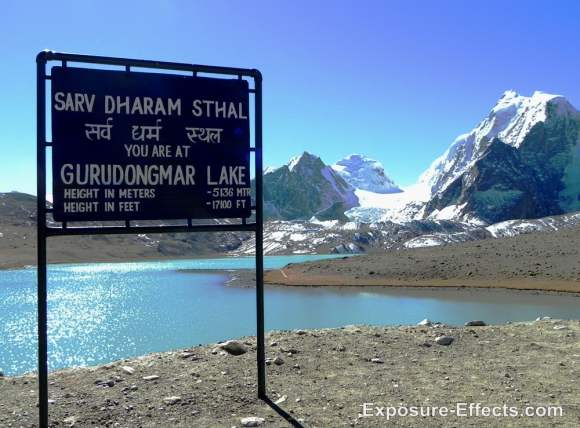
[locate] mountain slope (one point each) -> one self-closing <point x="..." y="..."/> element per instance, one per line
<point x="304" y="188"/>
<point x="18" y="240"/>
<point x="522" y="161"/>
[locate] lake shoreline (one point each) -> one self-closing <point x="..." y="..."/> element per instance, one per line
<point x="288" y="279"/>
<point x="321" y="378"/>
<point x="246" y="278"/>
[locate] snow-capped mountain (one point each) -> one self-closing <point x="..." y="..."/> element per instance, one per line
<point x="365" y="173"/>
<point x="510" y="121"/>
<point x="304" y="188"/>
<point x="521" y="161"/>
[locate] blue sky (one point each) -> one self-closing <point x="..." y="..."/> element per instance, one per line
<point x="395" y="80"/>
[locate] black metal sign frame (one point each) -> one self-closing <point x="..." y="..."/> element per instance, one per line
<point x="45" y="230"/>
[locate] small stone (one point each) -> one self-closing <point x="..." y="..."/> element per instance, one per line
<point x="444" y="340"/>
<point x="278" y="361"/>
<point x="252" y="421"/>
<point x="172" y="400"/>
<point x="274" y="344"/>
<point x="281" y="399"/>
<point x="70" y="421"/>
<point x="475" y="323"/>
<point x="560" y="327"/>
<point x="150" y="378"/>
<point x="341" y="348"/>
<point x="425" y="323"/>
<point x="298" y="400"/>
<point x="127" y="369"/>
<point x="352" y="328"/>
<point x="110" y="383"/>
<point x="300" y="332"/>
<point x="377" y="361"/>
<point x="234" y="347"/>
<point x="187" y="354"/>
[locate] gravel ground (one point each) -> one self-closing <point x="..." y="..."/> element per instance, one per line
<point x="321" y="378"/>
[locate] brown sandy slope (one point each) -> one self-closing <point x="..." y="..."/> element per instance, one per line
<point x="325" y="377"/>
<point x="539" y="261"/>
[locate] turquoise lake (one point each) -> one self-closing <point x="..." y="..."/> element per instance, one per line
<point x="107" y="311"/>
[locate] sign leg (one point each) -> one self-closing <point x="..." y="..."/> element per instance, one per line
<point x="41" y="240"/>
<point x="260" y="314"/>
<point x="42" y="336"/>
<point x="259" y="240"/>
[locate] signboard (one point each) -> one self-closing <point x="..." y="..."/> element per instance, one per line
<point x="129" y="145"/>
<point x="148" y="146"/>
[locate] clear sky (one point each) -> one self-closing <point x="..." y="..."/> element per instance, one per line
<point x="395" y="80"/>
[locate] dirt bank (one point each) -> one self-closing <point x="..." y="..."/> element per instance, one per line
<point x="541" y="261"/>
<point x="323" y="378"/>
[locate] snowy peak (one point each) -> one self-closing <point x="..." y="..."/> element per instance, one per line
<point x="510" y="121"/>
<point x="514" y="115"/>
<point x="304" y="162"/>
<point x="365" y="173"/>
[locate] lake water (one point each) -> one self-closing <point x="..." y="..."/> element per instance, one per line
<point x="107" y="311"/>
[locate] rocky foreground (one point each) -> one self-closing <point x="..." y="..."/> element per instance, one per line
<point x="321" y="378"/>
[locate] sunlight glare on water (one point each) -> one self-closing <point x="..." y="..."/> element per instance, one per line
<point x="100" y="312"/>
<point x="103" y="312"/>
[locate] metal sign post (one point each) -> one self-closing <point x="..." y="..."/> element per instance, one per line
<point x="132" y="145"/>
